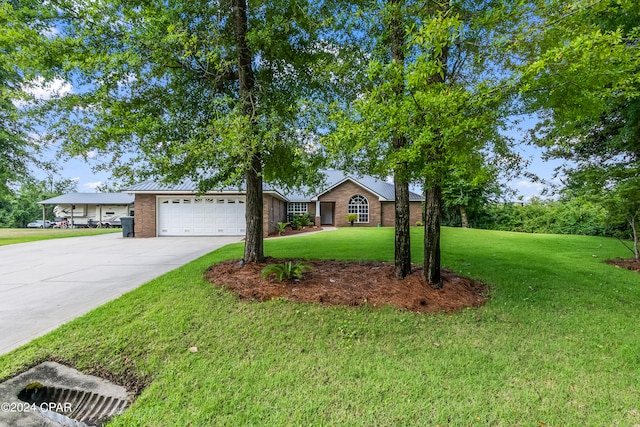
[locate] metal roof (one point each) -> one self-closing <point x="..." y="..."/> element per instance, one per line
<point x="384" y="190"/>
<point x="187" y="185"/>
<point x="90" y="199"/>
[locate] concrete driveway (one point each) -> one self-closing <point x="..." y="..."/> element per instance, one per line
<point x="45" y="284"/>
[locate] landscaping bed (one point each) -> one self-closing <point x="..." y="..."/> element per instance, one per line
<point x="351" y="284"/>
<point x="630" y="264"/>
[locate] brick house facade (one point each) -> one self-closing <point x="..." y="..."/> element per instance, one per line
<point x="222" y="213"/>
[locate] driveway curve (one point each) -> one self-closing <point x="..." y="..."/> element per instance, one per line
<point x="47" y="283"/>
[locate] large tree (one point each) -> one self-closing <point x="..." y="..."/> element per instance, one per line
<point x="16" y="149"/>
<point x="401" y="175"/>
<point x="217" y="92"/>
<point x="580" y="72"/>
<point x="370" y="50"/>
<point x="442" y="100"/>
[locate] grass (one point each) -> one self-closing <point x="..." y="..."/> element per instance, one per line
<point x="9" y="236"/>
<point x="557" y="344"/>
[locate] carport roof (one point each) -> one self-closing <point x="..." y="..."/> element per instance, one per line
<point x="90" y="199"/>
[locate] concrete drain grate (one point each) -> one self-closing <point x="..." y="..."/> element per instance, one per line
<point x="52" y="394"/>
<point x="72" y="407"/>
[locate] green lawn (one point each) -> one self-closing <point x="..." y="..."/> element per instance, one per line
<point x="558" y="342"/>
<point x="9" y="236"/>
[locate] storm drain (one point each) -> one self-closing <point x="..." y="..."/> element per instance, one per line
<point x="54" y="395"/>
<point x="73" y="408"/>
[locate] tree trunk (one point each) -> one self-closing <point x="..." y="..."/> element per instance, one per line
<point x="400" y="179"/>
<point x="254" y="240"/>
<point x="463" y="216"/>
<point x="433" y="192"/>
<point x="634" y="229"/>
<point x="433" y="208"/>
<point x="403" y="230"/>
<point x="253" y="246"/>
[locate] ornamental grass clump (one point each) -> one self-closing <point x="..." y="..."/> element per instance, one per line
<point x="286" y="271"/>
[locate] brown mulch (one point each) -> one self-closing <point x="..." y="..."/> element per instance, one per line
<point x="291" y="232"/>
<point x="630" y="264"/>
<point x="351" y="284"/>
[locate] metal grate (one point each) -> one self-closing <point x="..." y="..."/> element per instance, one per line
<point x="73" y="408"/>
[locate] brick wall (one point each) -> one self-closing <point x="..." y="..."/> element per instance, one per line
<point x="274" y="210"/>
<point x="341" y="195"/>
<point x="415" y="212"/>
<point x="145" y="215"/>
<point x="389" y="213"/>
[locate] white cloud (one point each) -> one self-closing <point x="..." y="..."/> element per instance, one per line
<point x="41" y="90"/>
<point x="51" y="32"/>
<point x="528" y="189"/>
<point x="91" y="154"/>
<point x="529" y="186"/>
<point x="92" y="185"/>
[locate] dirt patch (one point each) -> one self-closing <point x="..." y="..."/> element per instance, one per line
<point x="351" y="284"/>
<point x="630" y="264"/>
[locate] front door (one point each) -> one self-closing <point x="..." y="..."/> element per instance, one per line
<point x="326" y="213"/>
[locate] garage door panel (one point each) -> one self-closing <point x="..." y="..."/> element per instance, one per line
<point x="192" y="216"/>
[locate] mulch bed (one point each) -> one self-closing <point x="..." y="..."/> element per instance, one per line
<point x="630" y="264"/>
<point x="291" y="232"/>
<point x="351" y="284"/>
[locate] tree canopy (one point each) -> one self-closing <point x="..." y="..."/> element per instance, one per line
<point x="443" y="99"/>
<point x="16" y="148"/>
<point x="218" y="92"/>
<point x="581" y="74"/>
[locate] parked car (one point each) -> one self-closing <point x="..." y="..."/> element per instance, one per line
<point x="38" y="224"/>
<point x="113" y="221"/>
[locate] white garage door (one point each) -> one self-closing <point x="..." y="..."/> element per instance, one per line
<point x="201" y="216"/>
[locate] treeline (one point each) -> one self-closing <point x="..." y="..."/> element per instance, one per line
<point x="20" y="207"/>
<point x="575" y="216"/>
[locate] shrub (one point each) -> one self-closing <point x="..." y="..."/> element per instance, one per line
<point x="351" y="218"/>
<point x="281" y="226"/>
<point x="286" y="271"/>
<point x="301" y="220"/>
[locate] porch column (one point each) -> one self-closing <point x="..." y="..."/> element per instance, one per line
<point x="318" y="221"/>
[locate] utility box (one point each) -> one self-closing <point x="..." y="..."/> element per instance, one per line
<point x="127" y="226"/>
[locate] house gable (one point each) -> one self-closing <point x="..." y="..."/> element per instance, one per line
<point x="340" y="195"/>
<point x="354" y="182"/>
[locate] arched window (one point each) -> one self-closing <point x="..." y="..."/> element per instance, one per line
<point x="359" y="205"/>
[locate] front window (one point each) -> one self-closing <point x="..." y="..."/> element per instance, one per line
<point x="359" y="205"/>
<point x="296" y="208"/>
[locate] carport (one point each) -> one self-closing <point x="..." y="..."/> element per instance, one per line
<point x="82" y="207"/>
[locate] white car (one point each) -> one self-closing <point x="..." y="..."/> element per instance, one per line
<point x="38" y="224"/>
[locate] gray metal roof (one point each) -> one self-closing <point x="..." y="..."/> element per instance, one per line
<point x="187" y="185"/>
<point x="383" y="189"/>
<point x="90" y="199"/>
